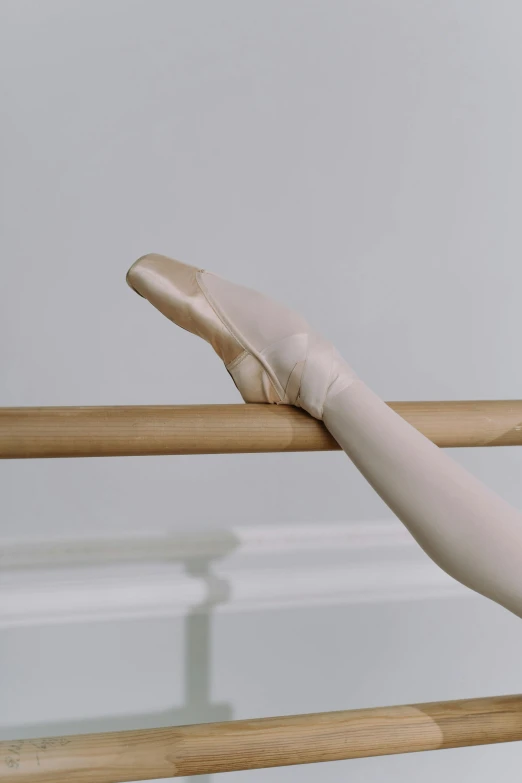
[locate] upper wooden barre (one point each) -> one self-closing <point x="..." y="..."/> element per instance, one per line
<point x="232" y="429"/>
<point x="266" y="742"/>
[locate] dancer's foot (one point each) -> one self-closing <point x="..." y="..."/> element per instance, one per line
<point x="270" y="351"/>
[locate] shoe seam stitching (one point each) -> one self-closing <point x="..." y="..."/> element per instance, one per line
<point x="234" y="331"/>
<point x="237" y="361"/>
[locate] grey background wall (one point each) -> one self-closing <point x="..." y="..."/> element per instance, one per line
<point x="361" y="161"/>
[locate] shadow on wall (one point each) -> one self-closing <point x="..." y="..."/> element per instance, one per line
<point x="193" y="577"/>
<point x="69" y="581"/>
<point x="197" y="706"/>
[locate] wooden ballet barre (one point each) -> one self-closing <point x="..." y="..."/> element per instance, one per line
<point x="118" y="757"/>
<point x="232" y="429"/>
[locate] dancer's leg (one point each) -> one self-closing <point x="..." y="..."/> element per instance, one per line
<point x="273" y="356"/>
<point x="471" y="532"/>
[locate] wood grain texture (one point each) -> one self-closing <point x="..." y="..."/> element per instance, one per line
<point x="232" y="429"/>
<point x="267" y="742"/>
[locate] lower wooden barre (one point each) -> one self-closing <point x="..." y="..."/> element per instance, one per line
<point x="232" y="429"/>
<point x="267" y="742"/>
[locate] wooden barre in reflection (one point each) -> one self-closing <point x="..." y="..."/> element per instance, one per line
<point x="267" y="742"/>
<point x="232" y="429"/>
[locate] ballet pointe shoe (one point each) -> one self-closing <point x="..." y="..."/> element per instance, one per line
<point x="271" y="353"/>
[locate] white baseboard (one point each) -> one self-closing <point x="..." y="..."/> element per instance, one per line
<point x="241" y="569"/>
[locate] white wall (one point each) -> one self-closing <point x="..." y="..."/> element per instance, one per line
<point x="361" y="160"/>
